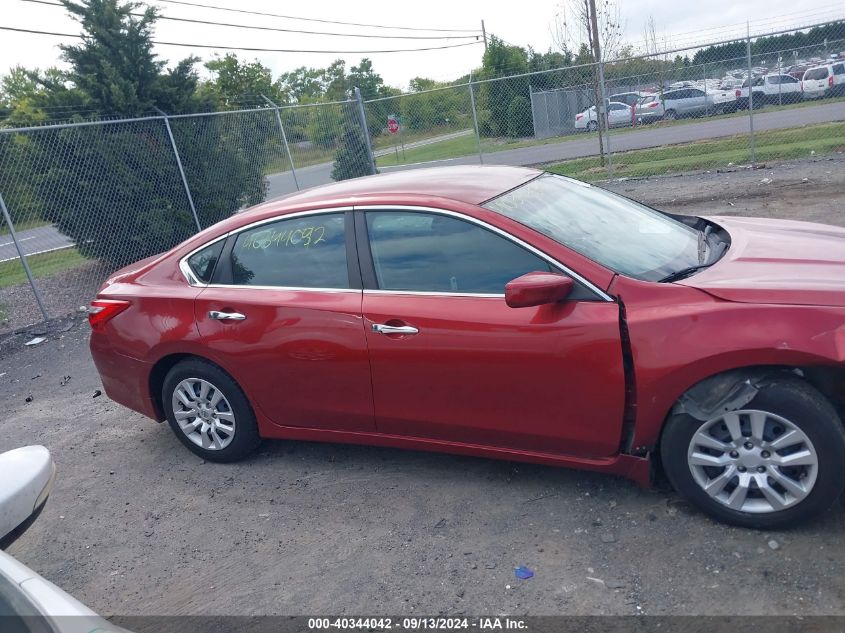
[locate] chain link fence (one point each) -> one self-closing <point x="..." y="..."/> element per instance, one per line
<point x="83" y="199"/>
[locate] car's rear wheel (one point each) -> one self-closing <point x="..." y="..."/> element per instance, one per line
<point x="592" y="126"/>
<point x="670" y="115"/>
<point x="209" y="412"/>
<point x="772" y="463"/>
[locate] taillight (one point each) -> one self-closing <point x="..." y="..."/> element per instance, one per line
<point x="739" y="93"/>
<point x="653" y="104"/>
<point x="578" y="117"/>
<point x="104" y="310"/>
<point x="830" y="82"/>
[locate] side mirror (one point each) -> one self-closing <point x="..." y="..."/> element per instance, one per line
<point x="26" y="479"/>
<point x="535" y="289"/>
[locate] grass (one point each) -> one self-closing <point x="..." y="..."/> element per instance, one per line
<point x="43" y="265"/>
<point x="822" y="138"/>
<point x="23" y="226"/>
<point x="460" y="146"/>
<point x="387" y="141"/>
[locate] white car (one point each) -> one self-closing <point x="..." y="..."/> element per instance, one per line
<point x="824" y="81"/>
<point x="29" y="602"/>
<point x="773" y="88"/>
<point x="618" y="114"/>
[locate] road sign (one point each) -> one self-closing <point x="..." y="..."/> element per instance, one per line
<point x="392" y="124"/>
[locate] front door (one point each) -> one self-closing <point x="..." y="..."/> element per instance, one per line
<point x="283" y="315"/>
<point x="452" y="362"/>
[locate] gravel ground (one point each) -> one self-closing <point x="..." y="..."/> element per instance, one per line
<point x="138" y="525"/>
<point x="62" y="294"/>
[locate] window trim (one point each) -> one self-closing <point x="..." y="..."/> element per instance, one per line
<point x="352" y="266"/>
<point x="368" y="268"/>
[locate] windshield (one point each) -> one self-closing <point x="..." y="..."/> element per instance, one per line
<point x="618" y="233"/>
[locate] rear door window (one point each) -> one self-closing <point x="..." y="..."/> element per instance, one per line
<point x="816" y="73"/>
<point x="202" y="262"/>
<point x="302" y="252"/>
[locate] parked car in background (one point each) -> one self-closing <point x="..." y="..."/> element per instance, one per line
<point x="649" y="109"/>
<point x="628" y="98"/>
<point x="500" y="312"/>
<point x="688" y="102"/>
<point x="618" y="115"/>
<point x="772" y="88"/>
<point x="798" y="70"/>
<point x="826" y="80"/>
<point x="729" y="83"/>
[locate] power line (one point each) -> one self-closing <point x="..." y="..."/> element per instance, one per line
<point x="281" y="30"/>
<point x="251" y="48"/>
<point x="293" y="17"/>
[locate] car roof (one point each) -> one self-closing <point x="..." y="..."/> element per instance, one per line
<point x="471" y="184"/>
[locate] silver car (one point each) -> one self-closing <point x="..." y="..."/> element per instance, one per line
<point x="688" y="102"/>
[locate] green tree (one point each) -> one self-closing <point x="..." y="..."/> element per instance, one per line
<point x="115" y="188"/>
<point x="352" y="159"/>
<point x="496" y="97"/>
<point x="303" y="85"/>
<point x="235" y="81"/>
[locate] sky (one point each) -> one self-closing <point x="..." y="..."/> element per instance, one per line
<point x="528" y="22"/>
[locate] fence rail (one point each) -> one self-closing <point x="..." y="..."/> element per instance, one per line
<point x="84" y="198"/>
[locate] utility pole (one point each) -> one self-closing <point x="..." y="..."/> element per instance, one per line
<point x="484" y="34"/>
<point x="601" y="101"/>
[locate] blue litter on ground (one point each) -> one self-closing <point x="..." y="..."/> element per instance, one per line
<point x="523" y="573"/>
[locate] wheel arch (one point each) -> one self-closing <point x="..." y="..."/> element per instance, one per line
<point x="732" y="389"/>
<point x="163" y="365"/>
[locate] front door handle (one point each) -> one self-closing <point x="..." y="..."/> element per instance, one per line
<point x="226" y="316"/>
<point x="381" y="328"/>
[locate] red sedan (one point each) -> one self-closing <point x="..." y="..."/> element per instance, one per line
<point x="501" y="312"/>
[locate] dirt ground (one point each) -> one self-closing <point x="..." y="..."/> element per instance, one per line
<point x="138" y="525"/>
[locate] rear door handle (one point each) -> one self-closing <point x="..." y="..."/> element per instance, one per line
<point x="226" y="316"/>
<point x="380" y="328"/>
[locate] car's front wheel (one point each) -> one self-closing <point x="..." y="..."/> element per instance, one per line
<point x="209" y="412"/>
<point x="774" y="462"/>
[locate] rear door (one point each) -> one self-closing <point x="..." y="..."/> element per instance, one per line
<point x="452" y="362"/>
<point x="283" y="316"/>
<point x="695" y="102"/>
<point x="839" y="77"/>
<point x="618" y="114"/>
<point x="815" y="81"/>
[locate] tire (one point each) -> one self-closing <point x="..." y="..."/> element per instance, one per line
<point x="592" y="126"/>
<point x="218" y="429"/>
<point x="670" y="115"/>
<point x="787" y="405"/>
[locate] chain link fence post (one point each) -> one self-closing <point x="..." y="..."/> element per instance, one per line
<point x="365" y="130"/>
<point x="750" y="94"/>
<point x="284" y="141"/>
<point x="181" y="169"/>
<point x="28" y="272"/>
<point x="475" y="121"/>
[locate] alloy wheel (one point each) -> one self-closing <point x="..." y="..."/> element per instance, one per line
<point x="203" y="413"/>
<point x="753" y="461"/>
